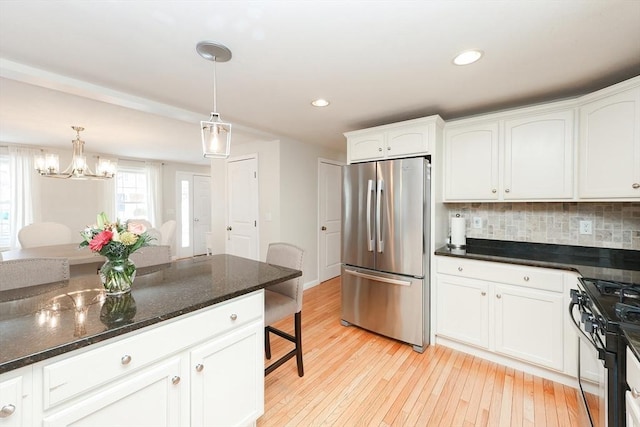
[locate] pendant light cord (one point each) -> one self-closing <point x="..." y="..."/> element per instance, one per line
<point x="215" y="109"/>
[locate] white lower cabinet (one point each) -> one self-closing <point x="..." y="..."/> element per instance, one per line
<point x="201" y="369"/>
<point x="632" y="398"/>
<point x="151" y="397"/>
<point x="227" y="384"/>
<point x="16" y="401"/>
<point x="508" y="310"/>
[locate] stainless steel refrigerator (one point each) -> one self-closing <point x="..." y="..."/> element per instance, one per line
<point x="385" y="265"/>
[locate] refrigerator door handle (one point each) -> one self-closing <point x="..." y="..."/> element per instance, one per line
<point x="379" y="216"/>
<point x="378" y="278"/>
<point x="369" y="237"/>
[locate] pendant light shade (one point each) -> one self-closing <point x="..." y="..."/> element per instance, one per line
<point x="216" y="134"/>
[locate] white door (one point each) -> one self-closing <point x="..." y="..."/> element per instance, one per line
<point x="193" y="199"/>
<point x="201" y="212"/>
<point x="330" y="217"/>
<point x="242" y="207"/>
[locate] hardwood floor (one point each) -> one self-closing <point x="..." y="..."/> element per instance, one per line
<point x="356" y="378"/>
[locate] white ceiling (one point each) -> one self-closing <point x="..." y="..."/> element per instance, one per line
<point x="128" y="71"/>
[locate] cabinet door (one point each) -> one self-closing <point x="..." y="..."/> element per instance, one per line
<point x="538" y="157"/>
<point x="408" y="141"/>
<point x="151" y="397"/>
<point x="227" y="379"/>
<point x="471" y="162"/>
<point x="633" y="410"/>
<point x="15" y="398"/>
<point x="462" y="311"/>
<point x="366" y="147"/>
<point x="610" y="147"/>
<point x="529" y="325"/>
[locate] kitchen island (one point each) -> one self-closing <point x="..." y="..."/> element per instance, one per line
<point x="184" y="348"/>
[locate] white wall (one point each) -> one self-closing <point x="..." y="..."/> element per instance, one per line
<point x="288" y="188"/>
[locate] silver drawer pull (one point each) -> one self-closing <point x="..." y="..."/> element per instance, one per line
<point x="175" y="380"/>
<point x="233" y="316"/>
<point x="526" y="278"/>
<point x="459" y="268"/>
<point x="199" y="367"/>
<point x="125" y="359"/>
<point x="635" y="393"/>
<point x="635" y="185"/>
<point x="7" y="410"/>
<point x="498" y="296"/>
<point x="494" y="190"/>
<point x="483" y="293"/>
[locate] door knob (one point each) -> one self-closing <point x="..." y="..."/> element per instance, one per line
<point x="323" y="228"/>
<point x="229" y="228"/>
<point x="196" y="219"/>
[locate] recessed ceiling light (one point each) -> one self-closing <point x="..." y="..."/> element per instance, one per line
<point x="320" y="102"/>
<point x="467" y="57"/>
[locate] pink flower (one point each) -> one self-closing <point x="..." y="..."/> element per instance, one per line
<point x="136" y="228"/>
<point x="99" y="240"/>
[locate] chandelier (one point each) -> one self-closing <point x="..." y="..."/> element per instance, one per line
<point x="216" y="134"/>
<point x="47" y="164"/>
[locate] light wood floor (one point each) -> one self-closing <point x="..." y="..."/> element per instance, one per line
<point x="356" y="378"/>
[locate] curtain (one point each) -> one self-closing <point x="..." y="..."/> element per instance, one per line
<point x="24" y="191"/>
<point x="154" y="192"/>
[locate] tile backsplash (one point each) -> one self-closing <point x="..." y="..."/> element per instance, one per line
<point x="613" y="225"/>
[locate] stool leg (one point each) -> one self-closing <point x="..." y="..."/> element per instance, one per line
<point x="298" y="329"/>
<point x="267" y="344"/>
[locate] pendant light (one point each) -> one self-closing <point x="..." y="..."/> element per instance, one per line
<point x="47" y="164"/>
<point x="216" y="134"/>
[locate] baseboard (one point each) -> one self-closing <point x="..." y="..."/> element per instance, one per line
<point x="311" y="284"/>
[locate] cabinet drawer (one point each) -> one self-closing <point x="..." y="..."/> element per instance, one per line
<point x="633" y="371"/>
<point x="76" y="374"/>
<point x="531" y="277"/>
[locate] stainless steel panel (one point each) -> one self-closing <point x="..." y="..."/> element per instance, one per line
<point x="388" y="304"/>
<point x="400" y="210"/>
<point x="358" y="222"/>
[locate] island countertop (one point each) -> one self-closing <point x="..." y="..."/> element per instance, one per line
<point x="48" y="320"/>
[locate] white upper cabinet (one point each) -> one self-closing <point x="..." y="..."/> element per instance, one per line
<point x="610" y="146"/>
<point x="524" y="155"/>
<point x="404" y="139"/>
<point x="471" y="162"/>
<point x="538" y="157"/>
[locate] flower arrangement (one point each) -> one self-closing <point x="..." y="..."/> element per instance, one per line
<point x="116" y="242"/>
<point x="113" y="239"/>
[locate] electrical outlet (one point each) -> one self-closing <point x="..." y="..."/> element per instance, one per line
<point x="477" y="222"/>
<point x="585" y="227"/>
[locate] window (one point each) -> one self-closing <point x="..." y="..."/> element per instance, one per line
<point x="132" y="200"/>
<point x="5" y="195"/>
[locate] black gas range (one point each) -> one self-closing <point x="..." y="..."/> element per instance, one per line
<point x="599" y="308"/>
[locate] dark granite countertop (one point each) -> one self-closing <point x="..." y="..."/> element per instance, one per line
<point x="49" y="320"/>
<point x="595" y="263"/>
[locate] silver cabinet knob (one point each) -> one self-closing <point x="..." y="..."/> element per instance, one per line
<point x="175" y="380"/>
<point x="498" y="296"/>
<point x="7" y="410"/>
<point x="493" y="190"/>
<point x="459" y="268"/>
<point x="229" y="228"/>
<point x="323" y="228"/>
<point x="125" y="359"/>
<point x="199" y="367"/>
<point x="389" y="148"/>
<point x="635" y="393"/>
<point x="380" y="149"/>
<point x="506" y="190"/>
<point x="483" y="293"/>
<point x="233" y="316"/>
<point x="635" y="185"/>
<point x="526" y="278"/>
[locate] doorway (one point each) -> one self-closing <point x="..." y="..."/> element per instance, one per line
<point x="193" y="195"/>
<point x="329" y="218"/>
<point x="242" y="207"/>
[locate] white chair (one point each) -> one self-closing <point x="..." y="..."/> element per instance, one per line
<point x="151" y="255"/>
<point x="168" y="232"/>
<point x="44" y="234"/>
<point x="283" y="300"/>
<point x="20" y="273"/>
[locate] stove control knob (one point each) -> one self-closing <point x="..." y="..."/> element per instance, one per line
<point x="590" y="326"/>
<point x="576" y="296"/>
<point x="584" y="317"/>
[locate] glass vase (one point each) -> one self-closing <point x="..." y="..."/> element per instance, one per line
<point x="117" y="276"/>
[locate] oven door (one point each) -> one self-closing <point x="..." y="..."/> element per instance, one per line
<point x="592" y="373"/>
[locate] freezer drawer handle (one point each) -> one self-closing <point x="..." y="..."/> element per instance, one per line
<point x="378" y="278"/>
<point x="369" y="238"/>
